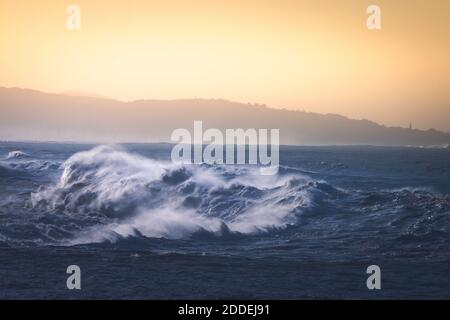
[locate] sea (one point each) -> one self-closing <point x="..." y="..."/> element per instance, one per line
<point x="139" y="226"/>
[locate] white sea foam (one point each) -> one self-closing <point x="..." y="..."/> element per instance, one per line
<point x="131" y="195"/>
<point x="17" y="154"/>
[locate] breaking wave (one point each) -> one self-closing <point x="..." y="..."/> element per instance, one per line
<point x="107" y="194"/>
<point x="17" y="155"/>
<point x="19" y="162"/>
<point x="117" y="195"/>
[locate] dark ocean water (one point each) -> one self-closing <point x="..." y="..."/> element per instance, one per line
<point x="141" y="227"/>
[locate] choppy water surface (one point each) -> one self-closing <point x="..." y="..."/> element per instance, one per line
<point x="140" y="226"/>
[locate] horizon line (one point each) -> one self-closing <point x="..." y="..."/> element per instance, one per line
<point x="436" y="146"/>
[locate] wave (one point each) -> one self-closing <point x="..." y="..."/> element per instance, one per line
<point x="17" y="155"/>
<point x="19" y="162"/>
<point x="129" y="195"/>
<point x="107" y="194"/>
<point x="6" y="171"/>
<point x="34" y="166"/>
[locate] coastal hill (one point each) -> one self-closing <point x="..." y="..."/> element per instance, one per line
<point x="38" y="116"/>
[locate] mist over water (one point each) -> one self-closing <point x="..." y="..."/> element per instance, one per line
<point x="327" y="205"/>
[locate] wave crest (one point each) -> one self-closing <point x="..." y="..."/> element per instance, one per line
<point x="17" y="154"/>
<point x="130" y="195"/>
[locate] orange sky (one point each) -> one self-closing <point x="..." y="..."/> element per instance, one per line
<point x="314" y="55"/>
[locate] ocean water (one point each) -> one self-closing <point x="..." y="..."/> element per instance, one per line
<point x="141" y="227"/>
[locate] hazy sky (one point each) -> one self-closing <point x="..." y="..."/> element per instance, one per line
<point x="314" y="55"/>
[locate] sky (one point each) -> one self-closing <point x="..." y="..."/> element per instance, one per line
<point x="317" y="56"/>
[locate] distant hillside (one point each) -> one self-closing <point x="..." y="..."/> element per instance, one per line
<point x="32" y="115"/>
